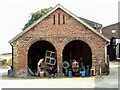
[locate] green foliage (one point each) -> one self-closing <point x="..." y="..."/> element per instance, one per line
<point x="35" y="16"/>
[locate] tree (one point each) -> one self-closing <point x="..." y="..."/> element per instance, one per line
<point x="35" y="16"/>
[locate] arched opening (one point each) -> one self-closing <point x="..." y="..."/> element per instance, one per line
<point x="75" y="50"/>
<point x="36" y="52"/>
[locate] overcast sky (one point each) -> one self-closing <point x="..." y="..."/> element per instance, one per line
<point x="15" y="13"/>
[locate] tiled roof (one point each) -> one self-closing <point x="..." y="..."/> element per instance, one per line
<point x="91" y="23"/>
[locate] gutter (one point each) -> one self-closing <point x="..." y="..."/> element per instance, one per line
<point x="106" y="52"/>
<point x="12" y="55"/>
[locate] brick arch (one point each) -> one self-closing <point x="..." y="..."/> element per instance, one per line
<point x="77" y="50"/>
<point x="96" y="49"/>
<point x="40" y="39"/>
<point x="87" y="41"/>
<point x="37" y="50"/>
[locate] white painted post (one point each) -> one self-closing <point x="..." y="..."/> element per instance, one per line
<point x="100" y="71"/>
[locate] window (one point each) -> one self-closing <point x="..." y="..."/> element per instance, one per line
<point x="58" y="18"/>
<point x="113" y="31"/>
<point x="50" y="61"/>
<point x="63" y="19"/>
<point x="54" y="19"/>
<point x="50" y="58"/>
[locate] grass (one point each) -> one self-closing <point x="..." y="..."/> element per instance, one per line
<point x="1" y="59"/>
<point x="6" y="54"/>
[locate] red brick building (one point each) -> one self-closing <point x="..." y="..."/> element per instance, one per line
<point x="63" y="32"/>
<point x="112" y="32"/>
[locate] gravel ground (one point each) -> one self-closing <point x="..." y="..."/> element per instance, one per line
<point x="49" y="83"/>
<point x="109" y="81"/>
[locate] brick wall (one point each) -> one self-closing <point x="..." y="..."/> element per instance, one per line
<point x="59" y="35"/>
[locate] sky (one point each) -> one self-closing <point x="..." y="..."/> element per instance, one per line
<point x="14" y="14"/>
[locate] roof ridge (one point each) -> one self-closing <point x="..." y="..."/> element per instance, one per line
<point x="68" y="12"/>
<point x="111" y="24"/>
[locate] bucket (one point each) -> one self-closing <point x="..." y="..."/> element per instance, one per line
<point x="70" y="73"/>
<point x="41" y="74"/>
<point x="83" y="73"/>
<point x="87" y="72"/>
<point x="9" y="71"/>
<point x="83" y="67"/>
